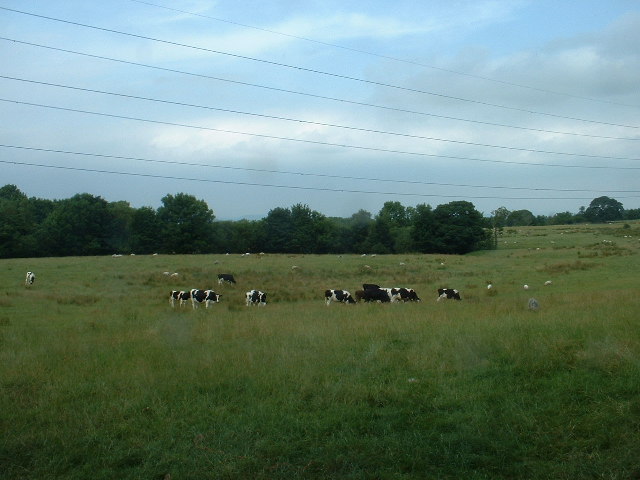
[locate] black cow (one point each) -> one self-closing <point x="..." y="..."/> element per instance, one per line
<point x="341" y="296"/>
<point x="256" y="297"/>
<point x="382" y="295"/>
<point x="448" y="293"/>
<point x="204" y="296"/>
<point x="225" y="277"/>
<point x="370" y="286"/>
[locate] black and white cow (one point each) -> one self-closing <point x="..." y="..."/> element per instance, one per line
<point x="408" y="295"/>
<point x="256" y="297"/>
<point x="203" y="296"/>
<point x="225" y="277"/>
<point x="31" y="277"/>
<point x="382" y="295"/>
<point x="340" y="296"/>
<point x="173" y="296"/>
<point x="448" y="293"/>
<point x="184" y="297"/>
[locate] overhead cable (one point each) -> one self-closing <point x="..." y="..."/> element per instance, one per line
<point x="303" y="69"/>
<point x="304" y="174"/>
<point x="323" y="97"/>
<point x="296" y="187"/>
<point x="388" y="57"/>
<point x="315" y="142"/>
<point x="275" y="117"/>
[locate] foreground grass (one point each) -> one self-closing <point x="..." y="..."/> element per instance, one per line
<point x="100" y="378"/>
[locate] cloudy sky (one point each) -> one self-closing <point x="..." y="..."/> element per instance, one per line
<point x="340" y="105"/>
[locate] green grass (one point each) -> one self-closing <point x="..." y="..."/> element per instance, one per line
<point x="101" y="378"/>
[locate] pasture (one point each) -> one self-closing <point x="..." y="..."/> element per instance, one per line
<point x="100" y="378"/>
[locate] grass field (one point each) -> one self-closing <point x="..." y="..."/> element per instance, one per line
<point x="100" y="378"/>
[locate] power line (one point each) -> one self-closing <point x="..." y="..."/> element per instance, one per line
<point x="275" y="117"/>
<point x="388" y="57"/>
<point x="308" y="70"/>
<point x="296" y="187"/>
<point x="306" y="174"/>
<point x="315" y="142"/>
<point x="321" y="97"/>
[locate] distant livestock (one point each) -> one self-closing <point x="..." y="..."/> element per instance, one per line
<point x="370" y="286"/>
<point x="30" y="278"/>
<point x="203" y="296"/>
<point x="184" y="297"/>
<point x="408" y="294"/>
<point x="173" y="296"/>
<point x="382" y="295"/>
<point x="448" y="293"/>
<point x="256" y="297"/>
<point x="339" y="296"/>
<point x="225" y="277"/>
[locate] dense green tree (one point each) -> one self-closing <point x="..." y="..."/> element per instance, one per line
<point x="306" y="229"/>
<point x="458" y="228"/>
<point x="278" y="230"/>
<point x="632" y="214"/>
<point x="17" y="224"/>
<point x="520" y="218"/>
<point x="145" y="231"/>
<point x="120" y="235"/>
<point x="423" y="231"/>
<point x="186" y="224"/>
<point x="357" y="232"/>
<point x="80" y="225"/>
<point x="604" y="209"/>
<point x="562" y="218"/>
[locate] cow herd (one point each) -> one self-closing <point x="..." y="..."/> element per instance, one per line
<point x="370" y="293"/>
<point x="375" y="293"/>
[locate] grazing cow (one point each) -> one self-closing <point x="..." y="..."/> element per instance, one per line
<point x="173" y="296"/>
<point x="256" y="297"/>
<point x="225" y="277"/>
<point x="408" y="295"/>
<point x="370" y="286"/>
<point x="382" y="295"/>
<point x="31" y="277"/>
<point x="341" y="296"/>
<point x="184" y="297"/>
<point x="359" y="295"/>
<point x="204" y="296"/>
<point x="448" y="293"/>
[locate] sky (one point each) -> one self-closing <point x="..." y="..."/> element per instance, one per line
<point x="338" y="105"/>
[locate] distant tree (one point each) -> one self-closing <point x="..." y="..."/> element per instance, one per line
<point x="632" y="214"/>
<point x="520" y="218"/>
<point x="424" y="229"/>
<point x="186" y="224"/>
<point x="604" y="209"/>
<point x="122" y="216"/>
<point x="459" y="228"/>
<point x="239" y="236"/>
<point x="357" y="232"/>
<point x="17" y="224"/>
<point x="562" y="218"/>
<point x="145" y="231"/>
<point x="307" y="228"/>
<point x="497" y="222"/>
<point x="278" y="230"/>
<point x="80" y="225"/>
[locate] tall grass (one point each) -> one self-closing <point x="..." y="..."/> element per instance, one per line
<point x="101" y="378"/>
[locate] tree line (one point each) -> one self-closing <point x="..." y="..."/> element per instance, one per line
<point x="89" y="225"/>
